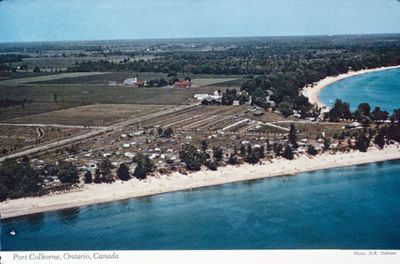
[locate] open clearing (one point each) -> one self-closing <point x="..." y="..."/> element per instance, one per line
<point x="92" y="115"/>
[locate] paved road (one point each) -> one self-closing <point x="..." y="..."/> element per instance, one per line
<point x="96" y="132"/>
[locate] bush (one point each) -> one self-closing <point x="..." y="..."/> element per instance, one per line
<point x="123" y="172"/>
<point x="211" y="165"/>
<point x="68" y="172"/>
<point x="233" y="159"/>
<point x="88" y="177"/>
<point x="311" y="150"/>
<point x="288" y="154"/>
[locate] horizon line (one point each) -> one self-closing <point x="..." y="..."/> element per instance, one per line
<point x="197" y="38"/>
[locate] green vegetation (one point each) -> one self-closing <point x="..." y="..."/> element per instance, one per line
<point x="144" y="166"/>
<point x="311" y="150"/>
<point x="288" y="153"/>
<point x="88" y="177"/>
<point x="192" y="157"/>
<point x="105" y="167"/>
<point x="293" y="136"/>
<point x="123" y="172"/>
<point x="67" y="172"/>
<point x="18" y="179"/>
<point x="340" y="110"/>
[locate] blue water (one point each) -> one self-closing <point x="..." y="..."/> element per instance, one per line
<point x="380" y="88"/>
<point x="352" y="207"/>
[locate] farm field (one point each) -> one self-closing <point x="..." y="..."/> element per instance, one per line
<point x="17" y="75"/>
<point x="6" y="114"/>
<point x="103" y="79"/>
<point x="65" y="62"/>
<point x="50" y="77"/>
<point x="91" y="115"/>
<point x="79" y="95"/>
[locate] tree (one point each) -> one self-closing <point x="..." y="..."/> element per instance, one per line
<point x="262" y="152"/>
<point x="123" y="172"/>
<point x="55" y="98"/>
<point x="232" y="159"/>
<point x="311" y="150"/>
<point x="362" y="143"/>
<point x="36" y="69"/>
<point x="242" y="150"/>
<point x="144" y="166"/>
<point x="278" y="150"/>
<point x="88" y="177"/>
<point x="293" y="136"/>
<point x="218" y="154"/>
<point x="327" y="144"/>
<point x="167" y="133"/>
<point x="379" y="139"/>
<point x="211" y="165"/>
<point x="105" y="167"/>
<point x="340" y="110"/>
<point x="285" y="108"/>
<point x="97" y="176"/>
<point x="288" y="153"/>
<point x="362" y="114"/>
<point x="253" y="157"/>
<point x="18" y="179"/>
<point x="160" y="131"/>
<point x="364" y="109"/>
<point x="191" y="157"/>
<point x="67" y="172"/>
<point x="378" y="114"/>
<point x="204" y="145"/>
<point x="396" y="115"/>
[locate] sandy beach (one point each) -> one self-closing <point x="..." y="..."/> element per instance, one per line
<point x="313" y="92"/>
<point x="101" y="193"/>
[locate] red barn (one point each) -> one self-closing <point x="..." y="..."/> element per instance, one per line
<point x="183" y="84"/>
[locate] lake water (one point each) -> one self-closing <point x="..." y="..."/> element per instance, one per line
<point x="351" y="207"/>
<point x="381" y="88"/>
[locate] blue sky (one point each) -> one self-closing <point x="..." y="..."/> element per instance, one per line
<point x="49" y="20"/>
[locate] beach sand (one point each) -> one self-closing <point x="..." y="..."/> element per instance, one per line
<point x="101" y="193"/>
<point x="313" y="92"/>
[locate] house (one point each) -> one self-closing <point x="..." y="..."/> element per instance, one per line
<point x="216" y="96"/>
<point x="183" y="84"/>
<point x="133" y="82"/>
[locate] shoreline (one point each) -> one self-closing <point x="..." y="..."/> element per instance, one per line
<point x="313" y="93"/>
<point x="104" y="193"/>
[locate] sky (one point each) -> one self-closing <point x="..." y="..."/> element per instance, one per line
<point x="59" y="20"/>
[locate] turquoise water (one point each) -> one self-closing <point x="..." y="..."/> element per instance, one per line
<point x="352" y="207"/>
<point x="380" y="88"/>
